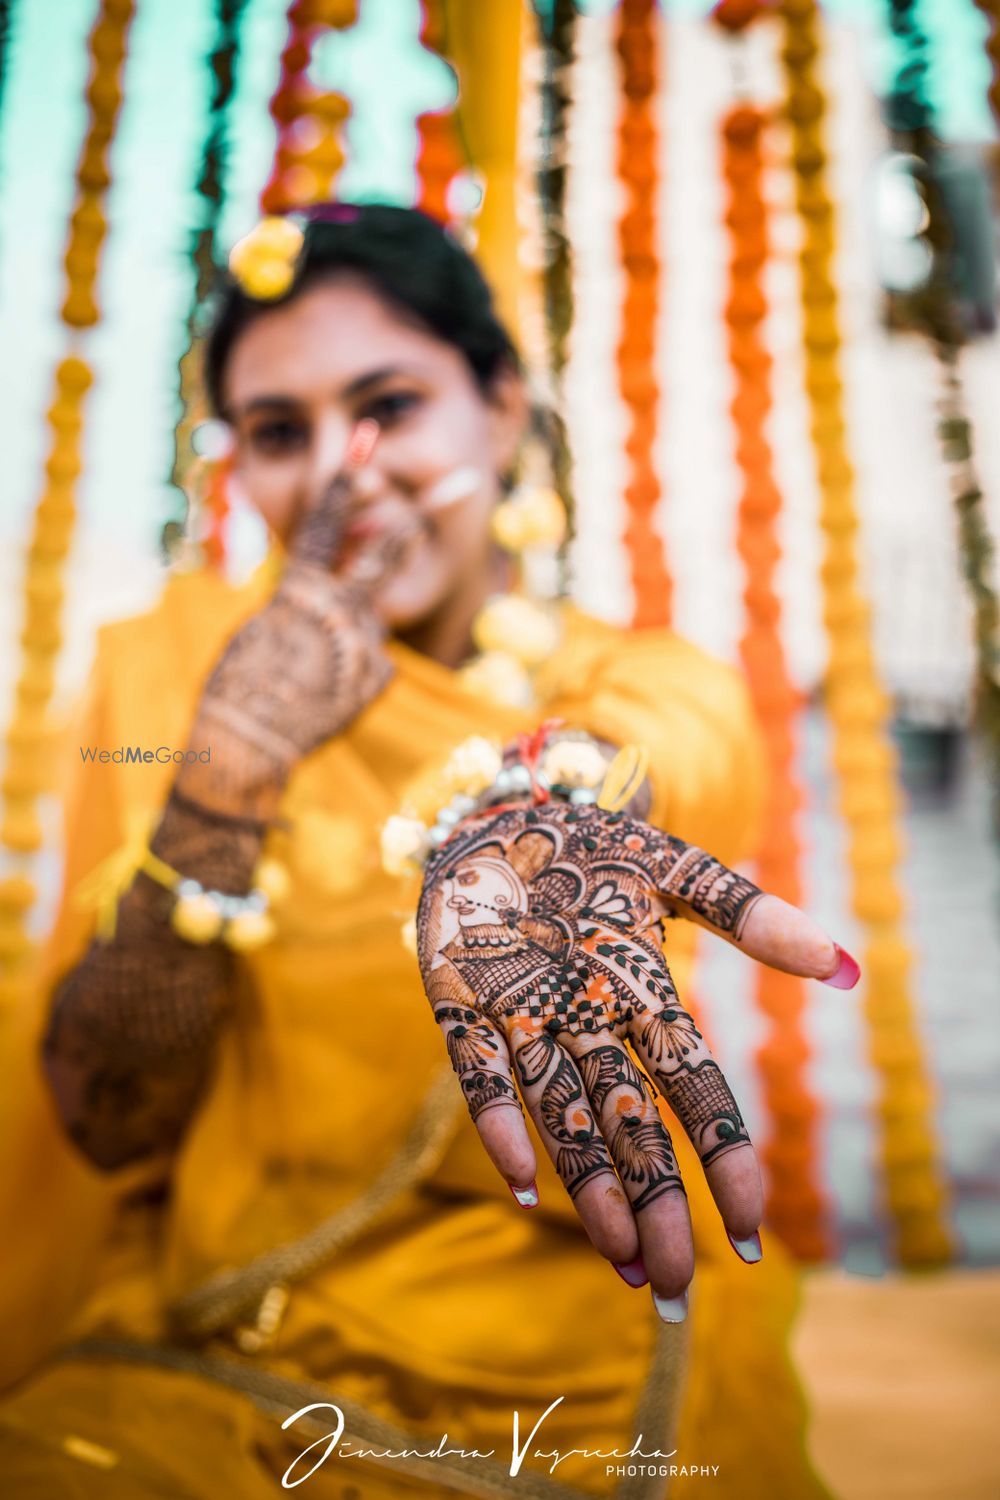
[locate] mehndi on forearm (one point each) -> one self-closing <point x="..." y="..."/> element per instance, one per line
<point x="133" y="1028"/>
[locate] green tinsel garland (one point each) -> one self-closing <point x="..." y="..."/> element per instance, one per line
<point x="209" y="187"/>
<point x="911" y="119"/>
<point x="558" y="24"/>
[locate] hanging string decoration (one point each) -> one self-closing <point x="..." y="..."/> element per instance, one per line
<point x="27" y="769"/>
<point x="558" y="28"/>
<point x="863" y="758"/>
<point x="204" y="255"/>
<point x="796" y="1208"/>
<point x="912" y="119"/>
<point x="307" y="158"/>
<point x="308" y="153"/>
<point x="440" y="157"/>
<point x="637" y="44"/>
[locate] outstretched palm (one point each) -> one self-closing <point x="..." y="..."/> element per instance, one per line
<point x="536" y="939"/>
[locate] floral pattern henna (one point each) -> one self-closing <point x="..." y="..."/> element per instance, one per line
<point x="535" y="934"/>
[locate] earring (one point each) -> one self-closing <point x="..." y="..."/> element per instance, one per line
<point x="533" y="514"/>
<point x="516" y="632"/>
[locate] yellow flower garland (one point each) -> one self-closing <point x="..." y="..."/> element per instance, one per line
<point x="27" y="773"/>
<point x="862" y="754"/>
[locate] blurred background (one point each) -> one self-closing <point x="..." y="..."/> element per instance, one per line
<point x="816" y="275"/>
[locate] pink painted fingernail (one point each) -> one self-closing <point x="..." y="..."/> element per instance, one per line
<point x="847" y="972"/>
<point x="634" y="1272"/>
<point x="362" y="441"/>
<point x="525" y="1197"/>
<point x="749" y="1250"/>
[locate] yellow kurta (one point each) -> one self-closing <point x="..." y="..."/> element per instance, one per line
<point x="444" y="1307"/>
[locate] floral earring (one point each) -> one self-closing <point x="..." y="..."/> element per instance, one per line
<point x="517" y="631"/>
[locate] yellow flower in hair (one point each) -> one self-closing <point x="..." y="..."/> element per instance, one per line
<point x="263" y="262"/>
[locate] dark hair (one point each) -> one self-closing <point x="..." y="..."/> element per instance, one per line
<point x="408" y="258"/>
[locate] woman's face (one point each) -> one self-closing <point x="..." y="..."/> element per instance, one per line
<point x="300" y="378"/>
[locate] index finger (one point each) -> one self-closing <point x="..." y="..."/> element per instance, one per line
<point x="695" y="885"/>
<point x="316" y="539"/>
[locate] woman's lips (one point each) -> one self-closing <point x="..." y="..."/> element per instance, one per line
<point x="362" y="531"/>
<point x="372" y="524"/>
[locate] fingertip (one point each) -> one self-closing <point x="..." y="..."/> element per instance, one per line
<point x="750" y="1250"/>
<point x="671" y="1309"/>
<point x="525" y="1197"/>
<point x="633" y="1273"/>
<point x="362" y="441"/>
<point x="847" y="972"/>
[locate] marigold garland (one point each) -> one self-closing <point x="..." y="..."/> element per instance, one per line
<point x="863" y="758"/>
<point x="27" y="771"/>
<point x="308" y="154"/>
<point x="796" y="1207"/>
<point x="440" y="157"/>
<point x="637" y="44"/>
<point x="307" y="158"/>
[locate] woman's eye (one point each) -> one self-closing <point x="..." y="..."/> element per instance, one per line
<point x="279" y="436"/>
<point x="390" y="407"/>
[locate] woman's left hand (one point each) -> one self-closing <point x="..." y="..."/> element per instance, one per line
<point x="537" y="937"/>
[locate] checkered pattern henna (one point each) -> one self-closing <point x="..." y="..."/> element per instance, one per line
<point x="570" y="1006"/>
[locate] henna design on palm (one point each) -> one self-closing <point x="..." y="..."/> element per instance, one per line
<point x="536" y="944"/>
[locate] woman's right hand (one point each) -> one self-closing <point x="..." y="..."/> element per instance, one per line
<point x="297" y="672"/>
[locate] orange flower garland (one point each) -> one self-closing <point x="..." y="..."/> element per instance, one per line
<point x="308" y="154"/>
<point x="862" y="754"/>
<point x="638" y="48"/>
<point x="307" y="158"/>
<point x="796" y="1208"/>
<point x="439" y="153"/>
<point x="27" y="773"/>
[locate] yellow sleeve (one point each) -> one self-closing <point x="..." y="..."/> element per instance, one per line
<point x="693" y="713"/>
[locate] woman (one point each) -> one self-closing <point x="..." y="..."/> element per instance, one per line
<point x="303" y="1212"/>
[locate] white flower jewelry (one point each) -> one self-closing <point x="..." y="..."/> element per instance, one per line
<point x="567" y="765"/>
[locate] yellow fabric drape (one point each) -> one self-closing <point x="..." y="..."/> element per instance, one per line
<point x="320" y="1076"/>
<point x="483" y="43"/>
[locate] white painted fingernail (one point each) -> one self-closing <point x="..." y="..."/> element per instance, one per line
<point x="672" y="1309"/>
<point x="458" y="485"/>
<point x="526" y="1197"/>
<point x="749" y="1250"/>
